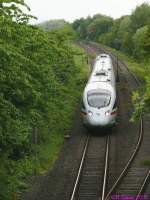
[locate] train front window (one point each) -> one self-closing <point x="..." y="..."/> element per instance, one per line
<point x="99" y="100"/>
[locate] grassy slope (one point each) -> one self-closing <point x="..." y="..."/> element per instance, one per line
<point x="49" y="151"/>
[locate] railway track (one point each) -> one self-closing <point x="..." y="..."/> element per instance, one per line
<point x="129" y="187"/>
<point x="145" y="186"/>
<point x="133" y="180"/>
<point x="91" y="178"/>
<point x="62" y="184"/>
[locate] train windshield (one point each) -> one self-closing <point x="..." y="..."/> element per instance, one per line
<point x="99" y="100"/>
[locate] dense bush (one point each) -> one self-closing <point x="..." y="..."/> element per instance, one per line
<point x="38" y="87"/>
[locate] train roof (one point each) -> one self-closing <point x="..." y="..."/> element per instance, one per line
<point x="103" y="55"/>
<point x="103" y="61"/>
<point x="100" y="76"/>
<point x="99" y="86"/>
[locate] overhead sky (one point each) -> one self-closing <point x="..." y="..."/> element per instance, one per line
<point x="74" y="9"/>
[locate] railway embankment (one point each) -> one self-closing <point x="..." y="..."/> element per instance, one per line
<point x="59" y="183"/>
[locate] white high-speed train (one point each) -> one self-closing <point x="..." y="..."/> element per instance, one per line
<point x="99" y="108"/>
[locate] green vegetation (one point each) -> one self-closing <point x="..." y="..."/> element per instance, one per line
<point x="52" y="25"/>
<point x="42" y="76"/>
<point x="130" y="35"/>
<point x="146" y="163"/>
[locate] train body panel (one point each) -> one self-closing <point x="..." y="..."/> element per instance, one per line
<point x="99" y="97"/>
<point x="103" y="61"/>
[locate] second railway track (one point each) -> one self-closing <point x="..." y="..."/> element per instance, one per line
<point x="133" y="180"/>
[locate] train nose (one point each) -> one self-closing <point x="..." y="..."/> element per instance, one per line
<point x="101" y="119"/>
<point x="98" y="121"/>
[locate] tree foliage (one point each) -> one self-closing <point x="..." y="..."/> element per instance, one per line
<point x="141" y="101"/>
<point x="52" y="25"/>
<point x="130" y="34"/>
<point x="36" y="70"/>
<point x="139" y="41"/>
<point x="100" y="25"/>
<point x="9" y="9"/>
<point x="140" y="16"/>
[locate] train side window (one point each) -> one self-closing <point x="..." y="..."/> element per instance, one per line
<point x="115" y="104"/>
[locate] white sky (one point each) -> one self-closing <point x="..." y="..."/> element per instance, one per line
<point x="75" y="9"/>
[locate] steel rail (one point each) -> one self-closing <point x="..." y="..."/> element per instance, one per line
<point x="141" y="125"/>
<point x="143" y="185"/>
<point x="138" y="143"/>
<point x="148" y="173"/>
<point x="129" y="161"/>
<point x="75" y="188"/>
<point x="135" y="150"/>
<point x="140" y="138"/>
<point x="80" y="169"/>
<point x="106" y="169"/>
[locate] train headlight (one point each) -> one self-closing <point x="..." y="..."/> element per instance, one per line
<point x="90" y="113"/>
<point x="107" y="113"/>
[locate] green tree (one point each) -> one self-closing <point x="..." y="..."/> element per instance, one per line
<point x="35" y="68"/>
<point x="140" y="16"/>
<point x="10" y="9"/>
<point x="141" y="101"/>
<point x="99" y="25"/>
<point x="139" y="41"/>
<point x="146" y="44"/>
<point x="81" y="27"/>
